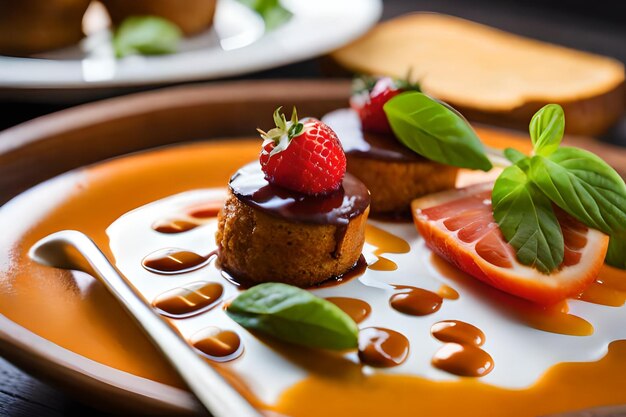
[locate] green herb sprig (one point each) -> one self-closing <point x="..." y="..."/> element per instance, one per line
<point x="577" y="181"/>
<point x="272" y="12"/>
<point x="294" y="315"/>
<point x="435" y="131"/>
<point x="146" y="35"/>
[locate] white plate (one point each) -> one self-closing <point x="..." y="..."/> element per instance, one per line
<point x="236" y="44"/>
<point x="521" y="353"/>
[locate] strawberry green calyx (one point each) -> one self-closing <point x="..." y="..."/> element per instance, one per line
<point x="284" y="131"/>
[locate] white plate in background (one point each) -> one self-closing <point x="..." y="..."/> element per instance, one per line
<point x="236" y="44"/>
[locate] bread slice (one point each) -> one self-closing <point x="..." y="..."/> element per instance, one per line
<point x="490" y="75"/>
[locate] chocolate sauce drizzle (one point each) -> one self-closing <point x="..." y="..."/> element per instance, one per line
<point x="347" y="125"/>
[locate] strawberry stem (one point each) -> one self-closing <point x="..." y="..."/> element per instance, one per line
<point x="284" y="132"/>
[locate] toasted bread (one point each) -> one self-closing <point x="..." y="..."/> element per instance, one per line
<point x="490" y="75"/>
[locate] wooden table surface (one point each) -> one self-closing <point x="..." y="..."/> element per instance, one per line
<point x="598" y="29"/>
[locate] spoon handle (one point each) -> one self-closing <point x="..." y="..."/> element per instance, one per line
<point x="220" y="398"/>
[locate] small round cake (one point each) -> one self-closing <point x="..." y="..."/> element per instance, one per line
<point x="267" y="233"/>
<point x="294" y="216"/>
<point x="33" y="26"/>
<point x="394" y="174"/>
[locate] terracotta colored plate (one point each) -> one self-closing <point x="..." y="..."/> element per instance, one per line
<point x="64" y="349"/>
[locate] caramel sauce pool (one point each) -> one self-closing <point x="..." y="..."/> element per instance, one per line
<point x="463" y="360"/>
<point x="415" y="301"/>
<point x="382" y="348"/>
<point x="170" y="226"/>
<point x="217" y="345"/>
<point x="189" y="300"/>
<point x="455" y="331"/>
<point x="357" y="309"/>
<point x="173" y="261"/>
<point x="91" y="323"/>
<point x="386" y="243"/>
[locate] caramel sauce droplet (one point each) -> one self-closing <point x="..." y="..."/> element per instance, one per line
<point x="186" y="301"/>
<point x="456" y="331"/>
<point x="173" y="261"/>
<point x="448" y="293"/>
<point x="553" y="319"/>
<point x="206" y="211"/>
<point x="463" y="360"/>
<point x="171" y="226"/>
<point x="386" y="243"/>
<point x="357" y="309"/>
<point x="217" y="344"/>
<point x="415" y="301"/>
<point x="382" y="348"/>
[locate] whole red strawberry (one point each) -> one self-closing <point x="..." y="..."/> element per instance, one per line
<point x="304" y="156"/>
<point x="370" y="96"/>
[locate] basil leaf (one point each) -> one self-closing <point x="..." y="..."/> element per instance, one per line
<point x="584" y="186"/>
<point x="435" y="131"/>
<point x="294" y="315"/>
<point x="616" y="255"/>
<point x="527" y="220"/>
<point x="546" y="129"/>
<point x="514" y="155"/>
<point x="146" y="35"/>
<point x="272" y="12"/>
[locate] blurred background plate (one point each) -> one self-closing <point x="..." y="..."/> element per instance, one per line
<point x="236" y="44"/>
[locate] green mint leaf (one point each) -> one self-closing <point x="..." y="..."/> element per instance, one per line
<point x="616" y="255"/>
<point x="146" y="35"/>
<point x="435" y="131"/>
<point x="527" y="220"/>
<point x="272" y="12"/>
<point x="294" y="315"/>
<point x="584" y="186"/>
<point x="546" y="129"/>
<point x="514" y="155"/>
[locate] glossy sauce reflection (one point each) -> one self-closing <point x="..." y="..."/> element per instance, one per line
<point x="357" y="309"/>
<point x="415" y="301"/>
<point x="173" y="261"/>
<point x="189" y="300"/>
<point x="217" y="344"/>
<point x="382" y="348"/>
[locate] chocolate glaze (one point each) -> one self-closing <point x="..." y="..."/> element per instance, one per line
<point x="337" y="208"/>
<point x="346" y="123"/>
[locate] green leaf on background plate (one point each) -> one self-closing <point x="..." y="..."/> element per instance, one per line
<point x="435" y="131"/>
<point x="294" y="315"/>
<point x="527" y="220"/>
<point x="272" y="12"/>
<point x="146" y="35"/>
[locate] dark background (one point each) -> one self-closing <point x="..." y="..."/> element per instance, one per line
<point x="596" y="26"/>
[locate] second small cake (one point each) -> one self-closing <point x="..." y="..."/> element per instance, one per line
<point x="296" y="217"/>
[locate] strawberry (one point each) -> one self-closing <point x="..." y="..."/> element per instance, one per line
<point x="369" y="97"/>
<point x="304" y="156"/>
